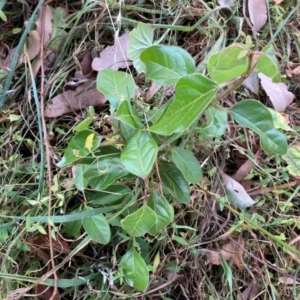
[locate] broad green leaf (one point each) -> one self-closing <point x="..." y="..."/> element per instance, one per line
<point x="139" y="222"/>
<point x="215" y="125"/>
<point x="139" y="154"/>
<point x="140" y="38"/>
<point x="81" y="182"/>
<point x="228" y="64"/>
<point x="73" y="228"/>
<point x="128" y="114"/>
<point x="173" y="179"/>
<point x="104" y="172"/>
<point x="163" y="210"/>
<point x="97" y="228"/>
<point x="187" y="163"/>
<point x="280" y="120"/>
<point x="77" y="149"/>
<point x="292" y="157"/>
<point x="110" y="195"/>
<point x="83" y="125"/>
<point x="268" y="64"/>
<point x="116" y="86"/>
<point x="255" y="116"/>
<point x="166" y="64"/>
<point x="135" y="270"/>
<point x="193" y="93"/>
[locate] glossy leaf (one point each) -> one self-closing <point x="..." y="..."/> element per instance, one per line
<point x="255" y="116"/>
<point x="139" y="222"/>
<point x="127" y="114"/>
<point x="97" y="228"/>
<point x="103" y="172"/>
<point x="173" y="179"/>
<point x="193" y="95"/>
<point x="166" y="64"/>
<point x="135" y="270"/>
<point x="115" y="85"/>
<point x="140" y="38"/>
<point x="77" y="149"/>
<point x="139" y="154"/>
<point x="187" y="163"/>
<point x="110" y="195"/>
<point x="228" y="64"/>
<point x="163" y="210"/>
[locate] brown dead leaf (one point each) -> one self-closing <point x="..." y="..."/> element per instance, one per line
<point x="47" y="22"/>
<point x="277" y="92"/>
<point x="288" y="280"/>
<point x="229" y="251"/>
<point x="114" y="57"/>
<point x="73" y="100"/>
<point x="258" y="13"/>
<point x="296" y="71"/>
<point x="252" y="83"/>
<point x="46" y="292"/>
<point x="154" y="88"/>
<point x="244" y="169"/>
<point x="250" y="292"/>
<point x="278" y="1"/>
<point x="86" y="66"/>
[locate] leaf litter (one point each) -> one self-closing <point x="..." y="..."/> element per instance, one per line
<point x="258" y="13"/>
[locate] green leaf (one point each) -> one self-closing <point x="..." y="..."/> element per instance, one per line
<point x="127" y="114"/>
<point x="280" y="120"/>
<point x="135" y="270"/>
<point x="193" y="93"/>
<point x="163" y="210"/>
<point x="139" y="154"/>
<point x="104" y="172"/>
<point x="292" y="157"/>
<point x="255" y="116"/>
<point x="73" y="228"/>
<point x="173" y="179"/>
<point x="268" y="64"/>
<point x="187" y="163"/>
<point x="110" y="195"/>
<point x="166" y="64"/>
<point x="97" y="228"/>
<point x="139" y="222"/>
<point x="77" y="149"/>
<point x="3" y="16"/>
<point x="216" y="124"/>
<point x="228" y="64"/>
<point x="140" y="38"/>
<point x="116" y="86"/>
<point x="83" y="125"/>
<point x="81" y="182"/>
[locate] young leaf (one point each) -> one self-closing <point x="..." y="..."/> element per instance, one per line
<point x="255" y="116"/>
<point x="236" y="194"/>
<point x="115" y="85"/>
<point x="97" y="228"/>
<point x="104" y="172"/>
<point x="135" y="270"/>
<point x="128" y="114"/>
<point x="163" y="210"/>
<point x="226" y="65"/>
<point x="173" y="179"/>
<point x="267" y="64"/>
<point x="139" y="154"/>
<point x="292" y="157"/>
<point x="139" y="222"/>
<point x="193" y="95"/>
<point x="166" y="64"/>
<point x="277" y="92"/>
<point x="140" y="38"/>
<point x="77" y="148"/>
<point x="187" y="163"/>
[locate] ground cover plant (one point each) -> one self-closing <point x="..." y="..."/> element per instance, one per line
<point x="149" y="150"/>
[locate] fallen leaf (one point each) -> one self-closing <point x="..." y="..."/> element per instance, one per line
<point x="235" y="192"/>
<point x="46" y="292"/>
<point x="251" y="83"/>
<point x="244" y="169"/>
<point x="226" y="2"/>
<point x="288" y="280"/>
<point x="154" y="88"/>
<point x="258" y="13"/>
<point x="229" y="251"/>
<point x="250" y="292"/>
<point x="277" y="92"/>
<point x="86" y="65"/>
<point x="46" y="21"/>
<point x="73" y="100"/>
<point x="296" y="71"/>
<point x="278" y="1"/>
<point x="114" y="57"/>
